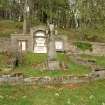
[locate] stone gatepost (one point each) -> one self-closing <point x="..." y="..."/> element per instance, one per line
<point x="53" y="64"/>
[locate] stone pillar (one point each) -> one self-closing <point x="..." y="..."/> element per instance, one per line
<point x="51" y="48"/>
<point x="26" y="22"/>
<point x="53" y="64"/>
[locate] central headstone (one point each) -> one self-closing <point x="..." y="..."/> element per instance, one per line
<point x="40" y="42"/>
<point x="53" y="64"/>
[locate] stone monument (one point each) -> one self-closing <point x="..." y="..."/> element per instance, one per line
<point x="53" y="64"/>
<point x="40" y="42"/>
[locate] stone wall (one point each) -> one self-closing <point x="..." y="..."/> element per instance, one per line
<point x="98" y="49"/>
<point x="5" y="44"/>
<point x="46" y="80"/>
<point x="6" y="79"/>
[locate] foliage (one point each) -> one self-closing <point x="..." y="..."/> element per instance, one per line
<point x="61" y="12"/>
<point x="83" y="45"/>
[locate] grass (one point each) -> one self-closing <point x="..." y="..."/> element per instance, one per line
<point x="96" y="34"/>
<point x="77" y="69"/>
<point x="33" y="59"/>
<point x="30" y="59"/>
<point x="90" y="94"/>
<point x="83" y="46"/>
<point x="28" y="71"/>
<point x="100" y="60"/>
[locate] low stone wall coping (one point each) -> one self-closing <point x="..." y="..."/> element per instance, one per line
<point x="46" y="80"/>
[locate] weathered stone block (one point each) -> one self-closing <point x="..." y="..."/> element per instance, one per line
<point x="53" y="65"/>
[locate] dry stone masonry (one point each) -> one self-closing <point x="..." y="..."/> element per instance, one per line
<point x="19" y="79"/>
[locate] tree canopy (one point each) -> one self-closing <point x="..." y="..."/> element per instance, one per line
<point x="64" y="13"/>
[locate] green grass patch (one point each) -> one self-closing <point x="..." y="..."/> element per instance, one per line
<point x="77" y="69"/>
<point x="31" y="59"/>
<point x="73" y="70"/>
<point x="83" y="46"/>
<point x="29" y="71"/>
<point x="90" y="94"/>
<point x="100" y="60"/>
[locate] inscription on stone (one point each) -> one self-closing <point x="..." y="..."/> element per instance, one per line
<point x="40" y="43"/>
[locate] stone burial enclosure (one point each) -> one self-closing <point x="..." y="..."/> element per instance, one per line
<point x="42" y="80"/>
<point x="19" y="79"/>
<point x="35" y="41"/>
<point x="40" y="39"/>
<point x="43" y="39"/>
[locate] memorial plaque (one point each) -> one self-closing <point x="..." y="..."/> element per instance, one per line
<point x="59" y="46"/>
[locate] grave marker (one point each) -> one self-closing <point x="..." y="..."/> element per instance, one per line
<point x="53" y="64"/>
<point x="40" y="45"/>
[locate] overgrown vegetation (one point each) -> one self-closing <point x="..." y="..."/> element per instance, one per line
<point x="96" y="34"/>
<point x="83" y="46"/>
<point x="8" y="27"/>
<point x="100" y="60"/>
<point x="86" y="16"/>
<point x="88" y="12"/>
<point x="31" y="61"/>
